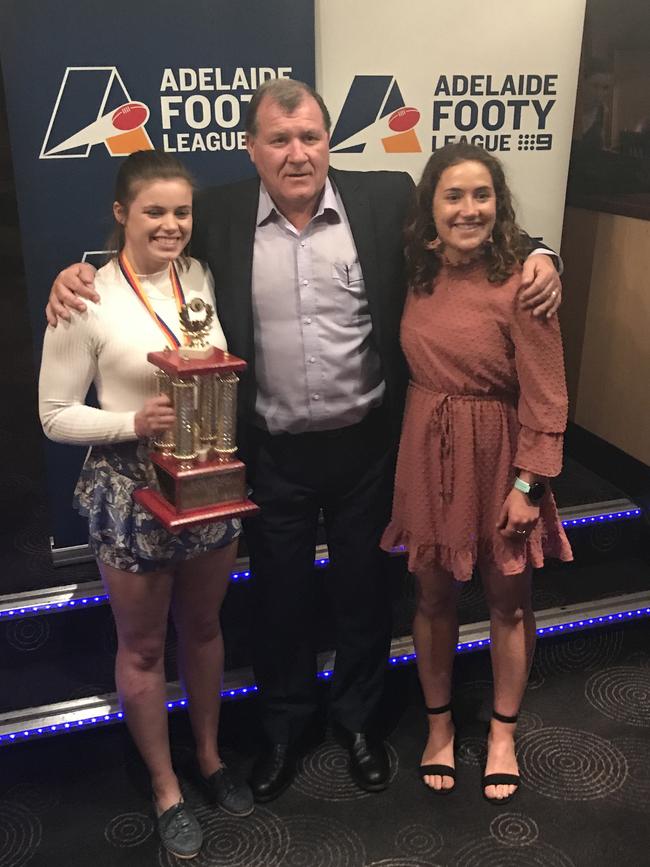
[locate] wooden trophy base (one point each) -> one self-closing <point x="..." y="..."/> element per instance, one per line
<point x="206" y="491"/>
<point x="174" y="521"/>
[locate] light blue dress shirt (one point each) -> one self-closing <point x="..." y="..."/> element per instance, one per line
<point x="316" y="366"/>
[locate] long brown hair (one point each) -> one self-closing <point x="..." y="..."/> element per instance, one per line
<point x="143" y="167"/>
<point x="503" y="253"/>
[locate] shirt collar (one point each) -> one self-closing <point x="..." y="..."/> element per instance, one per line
<point x="329" y="206"/>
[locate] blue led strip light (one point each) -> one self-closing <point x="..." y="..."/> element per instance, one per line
<point x="624" y="515"/>
<point x="238" y="577"/>
<point x="23" y="734"/>
<point x="62" y="728"/>
<point x="104" y="719"/>
<point x="542" y="632"/>
<point x="54" y="607"/>
<point x="102" y="598"/>
<point x="226" y="694"/>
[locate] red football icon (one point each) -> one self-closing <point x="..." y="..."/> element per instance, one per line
<point x="403" y="119"/>
<point x="129" y="116"/>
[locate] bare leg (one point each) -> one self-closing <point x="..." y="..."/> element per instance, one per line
<point x="512" y="644"/>
<point x="201" y="585"/>
<point x="140" y="604"/>
<point x="435" y="634"/>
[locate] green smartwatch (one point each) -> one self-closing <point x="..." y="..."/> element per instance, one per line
<point x="534" y="491"/>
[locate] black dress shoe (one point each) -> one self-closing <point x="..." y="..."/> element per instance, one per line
<point x="273" y="773"/>
<point x="369" y="763"/>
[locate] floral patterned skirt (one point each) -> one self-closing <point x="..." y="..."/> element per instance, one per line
<point x="121" y="533"/>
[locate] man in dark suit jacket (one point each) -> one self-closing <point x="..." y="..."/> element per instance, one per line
<point x="321" y="441"/>
<point x="376" y="204"/>
<point x="309" y="282"/>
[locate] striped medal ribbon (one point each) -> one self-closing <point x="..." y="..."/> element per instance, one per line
<point x="134" y="282"/>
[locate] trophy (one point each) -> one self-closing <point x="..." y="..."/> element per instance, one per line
<point x="198" y="477"/>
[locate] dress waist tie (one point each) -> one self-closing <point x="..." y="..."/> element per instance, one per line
<point x="441" y="419"/>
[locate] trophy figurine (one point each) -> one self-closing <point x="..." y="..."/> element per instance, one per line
<point x="198" y="477"/>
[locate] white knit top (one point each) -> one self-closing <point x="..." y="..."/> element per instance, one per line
<point x="108" y="345"/>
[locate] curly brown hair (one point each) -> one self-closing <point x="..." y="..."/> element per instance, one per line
<point x="503" y="253"/>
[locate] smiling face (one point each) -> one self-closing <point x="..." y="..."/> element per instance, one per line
<point x="157" y="223"/>
<point x="464" y="209"/>
<point x="290" y="151"/>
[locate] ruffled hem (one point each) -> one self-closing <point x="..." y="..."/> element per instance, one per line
<point x="423" y="555"/>
<point x="511" y="558"/>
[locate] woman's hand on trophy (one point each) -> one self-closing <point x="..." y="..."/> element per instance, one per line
<point x="157" y="415"/>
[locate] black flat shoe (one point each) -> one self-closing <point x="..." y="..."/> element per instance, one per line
<point x="369" y="764"/>
<point x="179" y="831"/>
<point x="273" y="773"/>
<point x="501" y="779"/>
<point x="232" y="794"/>
<point x="438" y="770"/>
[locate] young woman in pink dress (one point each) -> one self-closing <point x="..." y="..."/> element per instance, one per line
<point x="483" y="430"/>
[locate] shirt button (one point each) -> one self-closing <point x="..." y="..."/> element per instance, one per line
<point x="302" y="243"/>
<point x="305" y="282"/>
<point x="308" y="320"/>
<point x="312" y="359"/>
<point x="317" y="397"/>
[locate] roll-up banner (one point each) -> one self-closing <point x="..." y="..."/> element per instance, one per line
<point x="403" y="79"/>
<point x="89" y="82"/>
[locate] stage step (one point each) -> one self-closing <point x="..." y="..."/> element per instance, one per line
<point x="91" y="711"/>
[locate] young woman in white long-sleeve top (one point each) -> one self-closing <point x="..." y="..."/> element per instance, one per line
<point x="146" y="570"/>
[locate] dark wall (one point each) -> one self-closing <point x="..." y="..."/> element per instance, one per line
<point x="24" y="528"/>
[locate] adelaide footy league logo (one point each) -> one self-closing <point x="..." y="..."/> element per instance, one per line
<point x="94" y="107"/>
<point x="375" y="114"/>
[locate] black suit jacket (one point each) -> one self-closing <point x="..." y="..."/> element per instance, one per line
<point x="376" y="204"/>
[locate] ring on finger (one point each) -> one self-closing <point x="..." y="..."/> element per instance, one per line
<point x="522" y="532"/>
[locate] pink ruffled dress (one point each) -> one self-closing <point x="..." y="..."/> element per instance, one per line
<point x="487" y="396"/>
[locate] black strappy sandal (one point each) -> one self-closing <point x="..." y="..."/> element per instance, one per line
<point x="438" y="770"/>
<point x="501" y="779"/>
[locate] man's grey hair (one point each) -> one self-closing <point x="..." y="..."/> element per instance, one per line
<point x="288" y="94"/>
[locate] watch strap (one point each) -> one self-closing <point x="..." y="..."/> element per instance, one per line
<point x="521" y="485"/>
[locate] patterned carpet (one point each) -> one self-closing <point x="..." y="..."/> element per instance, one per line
<point x="584" y="754"/>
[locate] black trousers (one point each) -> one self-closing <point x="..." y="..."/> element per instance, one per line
<point x="348" y="473"/>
